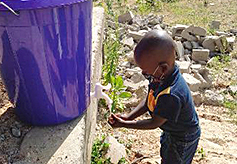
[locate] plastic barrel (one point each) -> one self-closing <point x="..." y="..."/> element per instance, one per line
<point x="45" y="58"/>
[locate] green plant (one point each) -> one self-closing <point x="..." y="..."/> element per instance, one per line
<point x="201" y="153"/>
<point x="146" y="6"/>
<point x="118" y="93"/>
<point x="219" y="62"/>
<point x="99" y="150"/>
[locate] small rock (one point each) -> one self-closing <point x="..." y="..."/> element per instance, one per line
<point x="187" y="58"/>
<point x="188" y="45"/>
<point x="193" y="83"/>
<point x="179" y="49"/>
<point x="126" y="64"/>
<point x="128" y="42"/>
<point x="116" y="150"/>
<point x="186" y="35"/>
<point x="197" y="98"/>
<point x="130" y="57"/>
<point x="209" y="43"/>
<point x="2" y="137"/>
<point x="233" y="31"/>
<point x="231" y="41"/>
<point x="196" y="30"/>
<point x="195" y="45"/>
<point x="187" y="52"/>
<point x="111" y="24"/>
<point x="184" y="66"/>
<point x="204" y="83"/>
<point x="127" y="17"/>
<point x="221" y="43"/>
<point x="137" y="36"/>
<point x="220" y="33"/>
<point x="215" y="25"/>
<point x="196" y="66"/>
<point x="157" y="27"/>
<point x="133" y="27"/>
<point x="200" y="54"/>
<point x="177" y="29"/>
<point x="137" y="77"/>
<point x="213" y="98"/>
<point x="16" y="132"/>
<point x="233" y="89"/>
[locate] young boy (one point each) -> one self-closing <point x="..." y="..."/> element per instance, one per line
<point x="169" y="101"/>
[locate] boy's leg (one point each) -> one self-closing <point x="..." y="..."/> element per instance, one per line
<point x="176" y="152"/>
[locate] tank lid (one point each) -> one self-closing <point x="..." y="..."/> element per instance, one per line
<point x="35" y="4"/>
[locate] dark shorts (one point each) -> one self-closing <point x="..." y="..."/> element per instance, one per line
<point x="177" y="150"/>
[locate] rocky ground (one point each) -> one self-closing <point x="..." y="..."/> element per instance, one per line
<point x="210" y="88"/>
<point x="212" y="80"/>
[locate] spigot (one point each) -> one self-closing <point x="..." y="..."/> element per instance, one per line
<point x="100" y="94"/>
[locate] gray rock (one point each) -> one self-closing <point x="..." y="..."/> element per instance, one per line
<point x="206" y="75"/>
<point x="221" y="43"/>
<point x="184" y="66"/>
<point x="231" y="41"/>
<point x="195" y="45"/>
<point x="137" y="36"/>
<point x="187" y="58"/>
<point x="204" y="83"/>
<point x="137" y="77"/>
<point x="156" y="20"/>
<point x="186" y="35"/>
<point x="197" y="98"/>
<point x="188" y="45"/>
<point x="126" y="64"/>
<point x="111" y="24"/>
<point x="213" y="98"/>
<point x="133" y="87"/>
<point x="158" y="27"/>
<point x="177" y="29"/>
<point x="142" y="90"/>
<point x="130" y="57"/>
<point x="127" y="17"/>
<point x="128" y="42"/>
<point x="187" y="52"/>
<point x="2" y="137"/>
<point x="200" y="54"/>
<point x="220" y="33"/>
<point x="215" y="25"/>
<point x="193" y="83"/>
<point x="209" y="43"/>
<point x="16" y="132"/>
<point x="179" y="49"/>
<point x="196" y="67"/>
<point x="233" y="89"/>
<point x="233" y="31"/>
<point x="133" y="27"/>
<point x="196" y="30"/>
<point x="116" y="150"/>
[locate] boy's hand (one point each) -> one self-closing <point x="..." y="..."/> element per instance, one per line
<point x="116" y="121"/>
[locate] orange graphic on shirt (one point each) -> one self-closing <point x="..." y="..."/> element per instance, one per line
<point x="151" y="102"/>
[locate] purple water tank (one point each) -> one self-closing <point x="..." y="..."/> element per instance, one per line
<point x="45" y="58"/>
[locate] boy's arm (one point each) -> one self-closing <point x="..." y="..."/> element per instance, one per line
<point x="138" y="111"/>
<point x="154" y="122"/>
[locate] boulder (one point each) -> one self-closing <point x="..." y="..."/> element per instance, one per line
<point x="186" y="35"/>
<point x="204" y="83"/>
<point x="126" y="18"/>
<point x="137" y="36"/>
<point x="197" y="98"/>
<point x="184" y="66"/>
<point x="196" y="30"/>
<point x="128" y="42"/>
<point x="116" y="151"/>
<point x="215" y="25"/>
<point x="213" y="98"/>
<point x="179" y="49"/>
<point x="187" y="45"/>
<point x="209" y="43"/>
<point x="221" y="43"/>
<point x="195" y="45"/>
<point x="200" y="54"/>
<point x="177" y="29"/>
<point x="193" y="83"/>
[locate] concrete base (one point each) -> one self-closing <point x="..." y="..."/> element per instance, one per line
<point x="69" y="143"/>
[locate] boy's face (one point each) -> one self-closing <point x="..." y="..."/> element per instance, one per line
<point x="150" y="67"/>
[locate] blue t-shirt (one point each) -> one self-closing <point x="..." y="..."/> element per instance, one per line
<point x="171" y="99"/>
